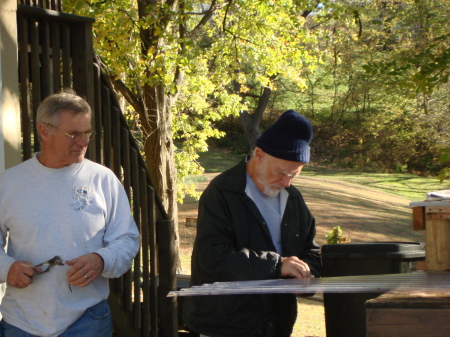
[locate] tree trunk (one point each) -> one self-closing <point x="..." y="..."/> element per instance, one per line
<point x="160" y="151"/>
<point x="250" y="122"/>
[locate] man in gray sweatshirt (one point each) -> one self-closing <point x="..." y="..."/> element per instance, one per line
<point x="60" y="204"/>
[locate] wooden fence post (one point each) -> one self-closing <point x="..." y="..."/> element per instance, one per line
<point x="167" y="307"/>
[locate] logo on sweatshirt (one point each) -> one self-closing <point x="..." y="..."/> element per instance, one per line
<point x="83" y="196"/>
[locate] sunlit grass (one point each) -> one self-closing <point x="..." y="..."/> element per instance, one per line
<point x="410" y="186"/>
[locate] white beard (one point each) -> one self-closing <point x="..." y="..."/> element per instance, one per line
<point x="270" y="190"/>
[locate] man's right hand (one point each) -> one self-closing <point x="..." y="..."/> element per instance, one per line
<point x="20" y="274"/>
<point x="294" y="267"/>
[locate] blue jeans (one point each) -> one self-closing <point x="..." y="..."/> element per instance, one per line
<point x="95" y="322"/>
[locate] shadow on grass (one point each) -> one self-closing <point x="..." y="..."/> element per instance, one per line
<point x="347" y="201"/>
<point x="363" y="214"/>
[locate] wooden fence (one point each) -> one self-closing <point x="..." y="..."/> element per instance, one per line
<point x="55" y="52"/>
<point x="55" y="5"/>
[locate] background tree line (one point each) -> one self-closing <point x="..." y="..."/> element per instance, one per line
<point x="371" y="75"/>
<point x="378" y="95"/>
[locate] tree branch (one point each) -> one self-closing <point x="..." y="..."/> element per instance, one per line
<point x="135" y="102"/>
<point x="307" y="11"/>
<point x="206" y="16"/>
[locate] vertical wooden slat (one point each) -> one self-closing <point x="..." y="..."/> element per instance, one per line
<point x="106" y="115"/>
<point x="126" y="162"/>
<point x="24" y="78"/>
<point x="46" y="74"/>
<point x="97" y="121"/>
<point x="82" y="65"/>
<point x="56" y="56"/>
<point x="167" y="278"/>
<point x="35" y="74"/>
<point x="151" y="228"/>
<point x="127" y="278"/>
<point x="145" y="246"/>
<point x="66" y="58"/>
<point x="137" y="218"/>
<point x="126" y="181"/>
<point x="115" y="129"/>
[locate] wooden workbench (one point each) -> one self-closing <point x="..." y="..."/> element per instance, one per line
<point x="408" y="314"/>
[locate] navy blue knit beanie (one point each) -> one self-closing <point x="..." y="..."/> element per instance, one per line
<point x="288" y="138"/>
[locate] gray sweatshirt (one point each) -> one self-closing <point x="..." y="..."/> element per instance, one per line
<point x="69" y="212"/>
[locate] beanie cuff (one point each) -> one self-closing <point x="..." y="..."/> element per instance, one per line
<point x="302" y="156"/>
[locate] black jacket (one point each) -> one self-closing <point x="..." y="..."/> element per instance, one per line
<point x="233" y="243"/>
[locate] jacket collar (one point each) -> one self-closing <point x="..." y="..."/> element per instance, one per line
<point x="234" y="178"/>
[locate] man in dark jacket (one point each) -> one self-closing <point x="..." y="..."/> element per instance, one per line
<point x="253" y="225"/>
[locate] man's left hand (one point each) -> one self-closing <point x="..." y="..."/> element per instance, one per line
<point x="85" y="269"/>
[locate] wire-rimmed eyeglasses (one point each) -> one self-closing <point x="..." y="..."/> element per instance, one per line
<point x="77" y="136"/>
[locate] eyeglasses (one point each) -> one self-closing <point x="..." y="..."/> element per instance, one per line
<point x="77" y="136"/>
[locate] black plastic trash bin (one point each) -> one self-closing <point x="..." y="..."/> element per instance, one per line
<point x="345" y="314"/>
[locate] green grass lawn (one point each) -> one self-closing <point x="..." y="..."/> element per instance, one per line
<point x="217" y="160"/>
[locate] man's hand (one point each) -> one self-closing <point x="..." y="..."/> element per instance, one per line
<point x="85" y="269"/>
<point x="294" y="267"/>
<point x="20" y="274"/>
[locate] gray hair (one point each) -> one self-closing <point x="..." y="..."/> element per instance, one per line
<point x="52" y="106"/>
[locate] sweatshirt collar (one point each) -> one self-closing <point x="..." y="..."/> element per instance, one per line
<point x="52" y="171"/>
